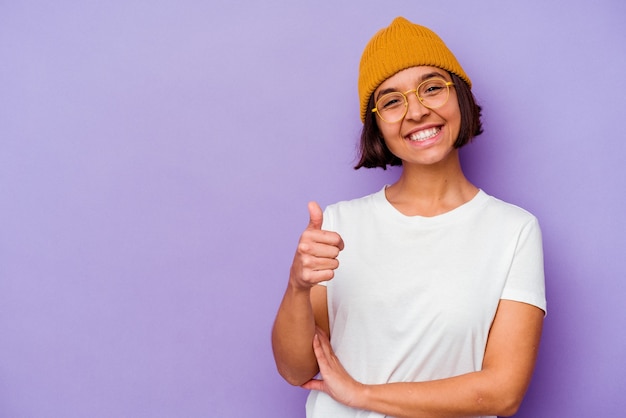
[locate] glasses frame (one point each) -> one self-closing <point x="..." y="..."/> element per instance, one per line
<point x="421" y="100"/>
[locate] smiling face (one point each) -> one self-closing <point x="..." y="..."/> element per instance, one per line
<point x="424" y="136"/>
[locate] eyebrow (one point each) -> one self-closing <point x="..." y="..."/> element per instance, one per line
<point x="423" y="78"/>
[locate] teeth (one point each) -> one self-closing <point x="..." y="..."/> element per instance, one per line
<point x="424" y="135"/>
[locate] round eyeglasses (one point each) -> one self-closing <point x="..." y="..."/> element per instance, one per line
<point x="432" y="93"/>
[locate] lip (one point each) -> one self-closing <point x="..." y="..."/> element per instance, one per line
<point x="425" y="142"/>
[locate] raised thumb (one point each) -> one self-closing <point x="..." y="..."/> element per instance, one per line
<point x="316" y="216"/>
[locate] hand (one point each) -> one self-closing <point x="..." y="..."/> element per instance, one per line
<point x="316" y="255"/>
<point x="336" y="382"/>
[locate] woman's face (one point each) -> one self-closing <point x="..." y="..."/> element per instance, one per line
<point x="424" y="136"/>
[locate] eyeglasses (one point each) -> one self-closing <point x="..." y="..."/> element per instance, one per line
<point x="432" y="93"/>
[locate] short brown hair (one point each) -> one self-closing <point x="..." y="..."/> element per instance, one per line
<point x="374" y="152"/>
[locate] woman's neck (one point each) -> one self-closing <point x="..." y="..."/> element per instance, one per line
<point x="430" y="190"/>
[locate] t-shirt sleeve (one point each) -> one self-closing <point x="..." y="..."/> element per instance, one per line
<point x="526" y="281"/>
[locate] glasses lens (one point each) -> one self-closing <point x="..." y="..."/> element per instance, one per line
<point x="391" y="107"/>
<point x="433" y="93"/>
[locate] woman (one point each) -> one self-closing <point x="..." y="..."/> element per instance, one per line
<point x="425" y="299"/>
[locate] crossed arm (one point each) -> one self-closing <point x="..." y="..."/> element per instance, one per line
<point x="302" y="348"/>
<point x="497" y="389"/>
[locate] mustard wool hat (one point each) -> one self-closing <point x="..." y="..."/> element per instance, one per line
<point x="397" y="47"/>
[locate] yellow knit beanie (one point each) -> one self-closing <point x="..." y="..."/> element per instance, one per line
<point x="397" y="47"/>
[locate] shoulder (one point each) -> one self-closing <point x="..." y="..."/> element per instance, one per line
<point x="505" y="211"/>
<point x="358" y="204"/>
<point x="352" y="210"/>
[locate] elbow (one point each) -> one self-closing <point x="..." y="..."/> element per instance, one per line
<point x="503" y="400"/>
<point x="509" y="404"/>
<point x="293" y="378"/>
<point x="296" y="369"/>
<point x="296" y="372"/>
<point x="500" y="407"/>
<point x="509" y="410"/>
<point x="294" y="381"/>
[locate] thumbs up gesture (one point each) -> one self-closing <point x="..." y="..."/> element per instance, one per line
<point x="316" y="255"/>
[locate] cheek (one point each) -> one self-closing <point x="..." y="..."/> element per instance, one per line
<point x="394" y="144"/>
<point x="454" y="121"/>
<point x="389" y="132"/>
<point x="453" y="117"/>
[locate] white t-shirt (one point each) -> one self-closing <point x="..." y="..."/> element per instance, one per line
<point x="414" y="297"/>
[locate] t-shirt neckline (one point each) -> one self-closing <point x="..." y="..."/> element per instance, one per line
<point x="461" y="211"/>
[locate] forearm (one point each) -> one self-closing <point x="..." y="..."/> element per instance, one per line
<point x="473" y="394"/>
<point x="304" y="305"/>
<point x="292" y="337"/>
<point x="498" y="389"/>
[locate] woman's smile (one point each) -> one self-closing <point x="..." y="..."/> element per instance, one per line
<point x="423" y="135"/>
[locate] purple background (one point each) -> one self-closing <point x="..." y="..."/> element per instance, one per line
<point x="156" y="158"/>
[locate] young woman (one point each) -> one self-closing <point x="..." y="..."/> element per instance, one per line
<point x="425" y="299"/>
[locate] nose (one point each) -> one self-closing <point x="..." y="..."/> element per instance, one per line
<point x="415" y="109"/>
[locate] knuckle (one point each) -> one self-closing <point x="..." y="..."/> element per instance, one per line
<point x="307" y="261"/>
<point x="304" y="247"/>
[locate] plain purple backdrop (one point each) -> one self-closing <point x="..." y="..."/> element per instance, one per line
<point x="156" y="158"/>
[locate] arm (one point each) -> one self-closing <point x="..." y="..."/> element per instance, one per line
<point x="497" y="389"/>
<point x="304" y="305"/>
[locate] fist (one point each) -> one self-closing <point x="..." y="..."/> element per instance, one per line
<point x="316" y="255"/>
